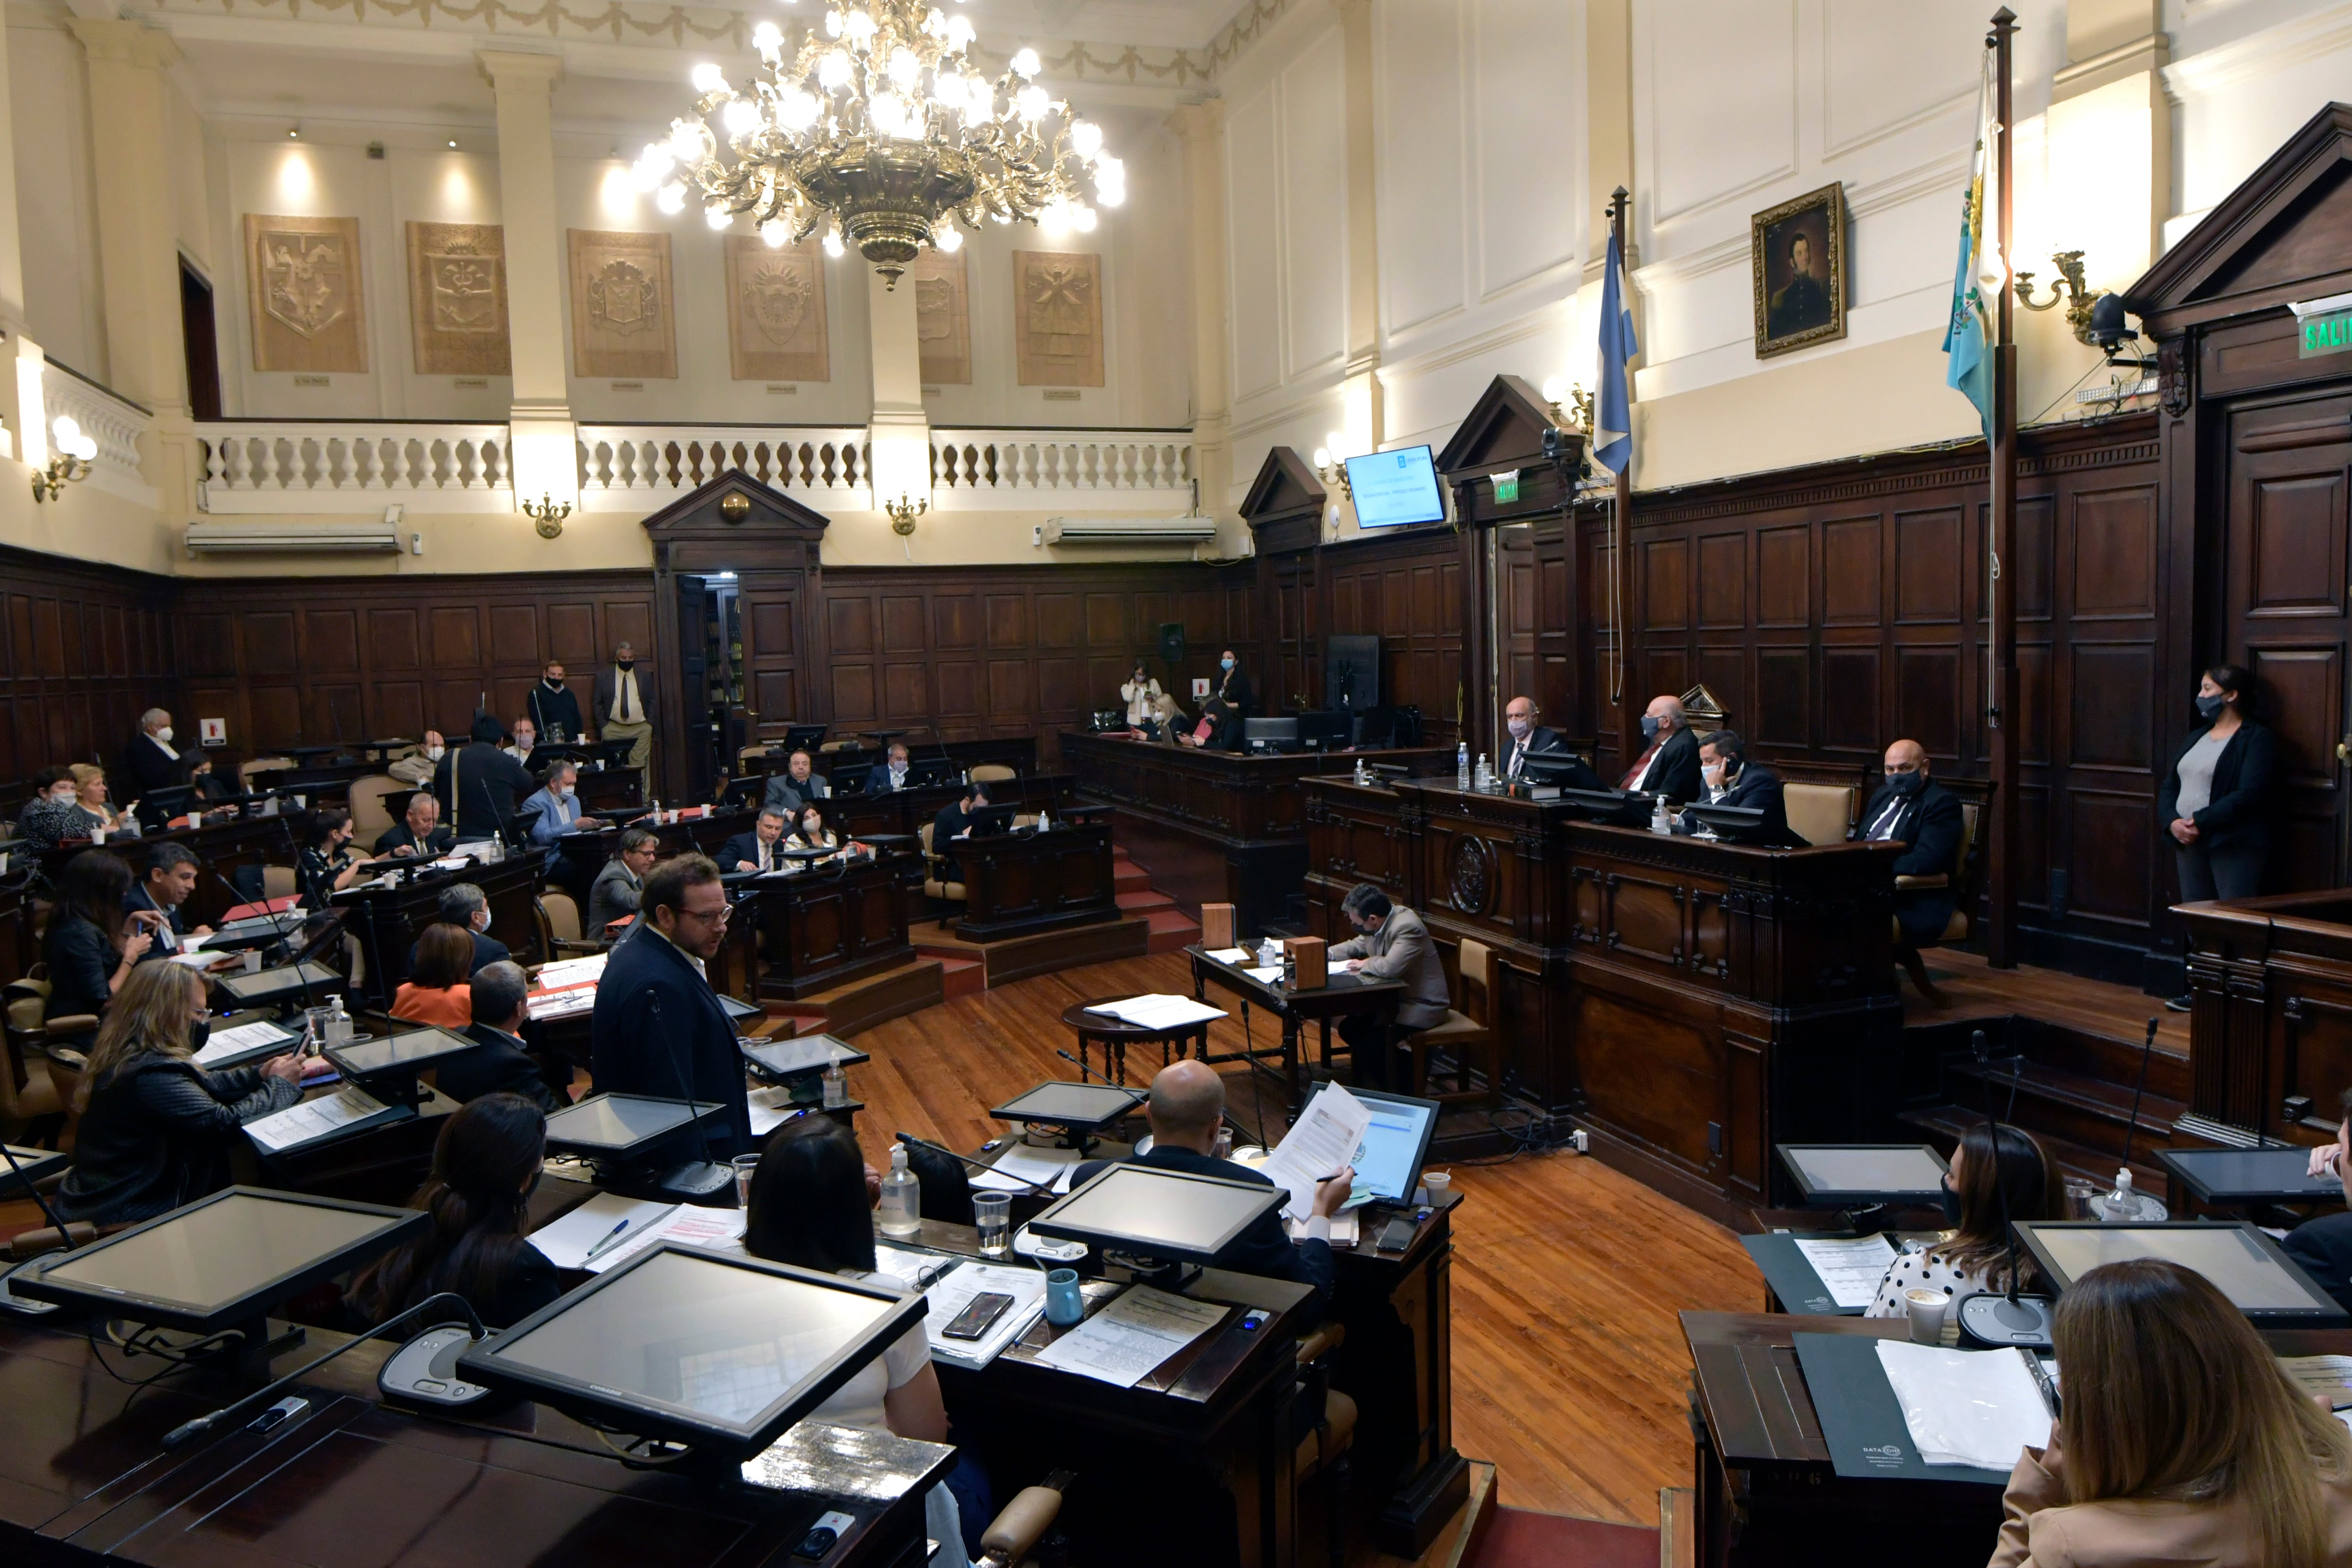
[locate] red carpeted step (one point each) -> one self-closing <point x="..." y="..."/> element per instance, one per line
<point x="962" y="977"/>
<point x="1126" y="877"/>
<point x="1148" y="899"/>
<point x="1171" y="929"/>
<point x="1523" y="1538"/>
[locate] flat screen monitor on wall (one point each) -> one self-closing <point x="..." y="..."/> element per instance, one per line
<point x="1395" y="489"/>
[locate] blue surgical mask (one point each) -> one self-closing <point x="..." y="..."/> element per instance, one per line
<point x="1649" y="726"/>
<point x="1224" y="664"/>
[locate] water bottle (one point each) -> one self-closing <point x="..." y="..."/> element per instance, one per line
<point x="1462" y="765"/>
<point x="901" y="1208"/>
<point x="1044" y="823"/>
<point x="1486" y="772"/>
<point x="2125" y="1204"/>
<point x="338" y="1023"/>
<point x="1661" y="819"/>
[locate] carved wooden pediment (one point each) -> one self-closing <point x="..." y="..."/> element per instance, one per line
<point x="1504" y="429"/>
<point x="1286" y="486"/>
<point x="2285" y="234"/>
<point x="735" y="522"/>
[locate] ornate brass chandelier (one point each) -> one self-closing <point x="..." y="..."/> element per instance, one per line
<point x="879" y="125"/>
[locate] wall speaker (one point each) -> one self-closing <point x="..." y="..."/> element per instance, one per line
<point x="1171" y="641"/>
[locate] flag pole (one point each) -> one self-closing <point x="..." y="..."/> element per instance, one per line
<point x="1620" y="509"/>
<point x="2000" y="701"/>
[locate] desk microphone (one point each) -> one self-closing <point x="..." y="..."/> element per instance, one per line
<point x="912" y="1141"/>
<point x="691" y="1180"/>
<point x="2004" y="1320"/>
<point x="187" y="1432"/>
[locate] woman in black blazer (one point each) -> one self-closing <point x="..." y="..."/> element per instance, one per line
<point x="1231" y="684"/>
<point x="91" y="946"/>
<point x="2215" y="797"/>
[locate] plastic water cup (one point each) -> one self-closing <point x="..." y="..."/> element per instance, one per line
<point x="1438" y="1184"/>
<point x="98" y="835"/>
<point x="1926" y="1307"/>
<point x="744" y="1166"/>
<point x="992" y="1212"/>
<point x="253" y="961"/>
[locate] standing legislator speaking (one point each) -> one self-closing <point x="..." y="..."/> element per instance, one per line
<point x="658" y="1028"/>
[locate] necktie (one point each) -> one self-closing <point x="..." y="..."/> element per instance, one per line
<point x="1634" y="775"/>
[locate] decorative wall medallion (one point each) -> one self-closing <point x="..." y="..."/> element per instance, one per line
<point x="942" y="318"/>
<point x="1470" y="874"/>
<point x="622" y="305"/>
<point x="1057" y="304"/>
<point x="457" y="298"/>
<point x="302" y="278"/>
<point x="776" y="311"/>
<point x="623" y="299"/>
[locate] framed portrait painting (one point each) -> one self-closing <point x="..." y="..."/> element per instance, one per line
<point x="1799" y="265"/>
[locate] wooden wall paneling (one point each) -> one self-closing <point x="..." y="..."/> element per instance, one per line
<point x="84" y="650"/>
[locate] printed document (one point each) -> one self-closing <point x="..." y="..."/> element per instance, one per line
<point x="1157" y="1011"/>
<point x="313" y="1120"/>
<point x="1321" y="1143"/>
<point x="718" y="1229"/>
<point x="1020" y="1168"/>
<point x="245" y="1039"/>
<point x="2327" y="1375"/>
<point x="566" y="1242"/>
<point x="953" y="1292"/>
<point x="1967" y="1408"/>
<point x="1851" y="1269"/>
<point x="1121" y="1345"/>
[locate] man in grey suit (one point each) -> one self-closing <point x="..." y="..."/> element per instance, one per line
<point x="621" y="704"/>
<point x="798" y="784"/>
<point x="621" y="884"/>
<point x="1391" y="944"/>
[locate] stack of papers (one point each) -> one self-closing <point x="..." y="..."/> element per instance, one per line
<point x="951" y="1294"/>
<point x="1320" y="1145"/>
<point x="1231" y="955"/>
<point x="1343" y="1229"/>
<point x="771" y="1107"/>
<point x="566" y="971"/>
<point x="642" y="1223"/>
<point x="2327" y="1375"/>
<point x="911" y="1266"/>
<point x="1019" y="1168"/>
<point x="568" y="1002"/>
<point x="1967" y="1408"/>
<point x="1851" y="1270"/>
<point x="1156" y="1011"/>
<point x="226" y="1048"/>
<point x="315" y="1119"/>
<point x="1121" y="1345"/>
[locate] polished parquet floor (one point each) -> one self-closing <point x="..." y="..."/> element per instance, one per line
<point x="1569" y="1365"/>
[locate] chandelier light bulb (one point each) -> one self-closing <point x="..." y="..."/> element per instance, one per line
<point x="709" y="78"/>
<point x="859" y="25"/>
<point x="833" y="72"/>
<point x="671" y="198"/>
<point x="686" y="139"/>
<point x="833" y="246"/>
<point x="741" y="117"/>
<point x="946" y="239"/>
<point x="959" y="33"/>
<point x="716" y="216"/>
<point x="1084" y="220"/>
<point x="1032" y="102"/>
<point x="1322" y="457"/>
<point x="1025" y="64"/>
<point x="1085" y="140"/>
<point x="653" y="167"/>
<point x="68" y="431"/>
<point x="906" y="66"/>
<point x="768" y="39"/>
<point x="887" y="111"/>
<point x="796" y="110"/>
<point x="833" y="24"/>
<point x="1053" y="220"/>
<point x="1555" y="388"/>
<point x="775" y="232"/>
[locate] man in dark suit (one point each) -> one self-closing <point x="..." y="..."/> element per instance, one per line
<point x="755" y="850"/>
<point x="885" y="777"/>
<point x="149" y="760"/>
<point x="1729" y="778"/>
<point x="622" y="703"/>
<point x="418" y="833"/>
<point x="171" y="877"/>
<point x="1670" y="765"/>
<point x="1186" y="1106"/>
<point x="463" y="905"/>
<point x="1528" y="738"/>
<point x="798" y="784"/>
<point x="554" y="709"/>
<point x="2322" y="1247"/>
<point x="487" y="783"/>
<point x="498" y="1063"/>
<point x="658" y="1028"/>
<point x="954" y="819"/>
<point x="1912" y="810"/>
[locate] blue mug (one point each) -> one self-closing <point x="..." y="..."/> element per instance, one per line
<point x="1064" y="1306"/>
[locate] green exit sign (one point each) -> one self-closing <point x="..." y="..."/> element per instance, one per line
<point x="2323" y="326"/>
<point x="1506" y="487"/>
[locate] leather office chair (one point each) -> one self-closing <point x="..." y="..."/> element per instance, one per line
<point x="994" y="772"/>
<point x="279" y="882"/>
<point x="559" y="925"/>
<point x="936" y="871"/>
<point x="1467" y="1031"/>
<point x="1324" y="1451"/>
<point x="1962" y="881"/>
<point x="371" y="817"/>
<point x="28" y="1087"/>
<point x="1820" y="814"/>
<point x="1021" y="1523"/>
<point x="842" y="746"/>
<point x="245" y="770"/>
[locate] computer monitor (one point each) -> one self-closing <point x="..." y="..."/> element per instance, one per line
<point x="1171" y="1215"/>
<point x="1270" y="734"/>
<point x="723" y="1351"/>
<point x="1845" y="1173"/>
<point x="1395" y="488"/>
<point x="157" y="807"/>
<point x="991" y="819"/>
<point x="221" y="1261"/>
<point x="396" y="1057"/>
<point x="624" y="1126"/>
<point x="1388" y="1160"/>
<point x="1081" y="1107"/>
<point x="1553" y="770"/>
<point x="1325" y="731"/>
<point x="803" y="738"/>
<point x="1734" y="823"/>
<point x="1620" y="806"/>
<point x="2243" y="1264"/>
<point x="286" y="982"/>
<point x="31" y="1165"/>
<point x="783" y="1060"/>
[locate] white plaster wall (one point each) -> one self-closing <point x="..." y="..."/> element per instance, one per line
<point x="49" y="110"/>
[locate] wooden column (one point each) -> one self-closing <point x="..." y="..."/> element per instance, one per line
<point x="2002" y="714"/>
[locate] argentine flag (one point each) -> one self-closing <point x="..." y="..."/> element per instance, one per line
<point x="1613" y="418"/>
<point x="1980" y="275"/>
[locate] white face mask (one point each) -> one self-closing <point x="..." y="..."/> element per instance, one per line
<point x="62" y="795"/>
<point x="435" y="753"/>
<point x="479" y="920"/>
<point x="1713" y="773"/>
<point x="524" y="740"/>
<point x="568" y="792"/>
<point x="165" y="734"/>
<point x="1519" y="728"/>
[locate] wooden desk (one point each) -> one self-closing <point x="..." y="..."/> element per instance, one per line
<point x="220" y="845"/>
<point x="906" y="810"/>
<point x="1116" y="1034"/>
<point x="1218" y="827"/>
<point x="1341" y="996"/>
<point x="386" y="921"/>
<point x="1692" y="1003"/>
<point x="2270" y="1017"/>
<point x="827" y="926"/>
<point x="83" y="1480"/>
<point x="1024" y="884"/>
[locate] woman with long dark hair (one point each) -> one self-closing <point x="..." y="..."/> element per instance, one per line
<point x="438" y="989"/>
<point x="2182" y="1439"/>
<point x="1976" y="1259"/>
<point x="485" y="1164"/>
<point x="328" y="865"/>
<point x="2214" y="796"/>
<point x="155" y="1127"/>
<point x="92" y="946"/>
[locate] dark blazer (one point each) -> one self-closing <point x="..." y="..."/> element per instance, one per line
<point x="951" y="820"/>
<point x="606" y="689"/>
<point x="157" y="1135"/>
<point x="1266" y="1248"/>
<point x="1757" y="787"/>
<point x="497" y="1064"/>
<point x="80" y="961"/>
<point x="490" y="780"/>
<point x="1227" y="733"/>
<point x="1540" y="742"/>
<point x="150" y="768"/>
<point x="216" y="787"/>
<point x="1929" y="823"/>
<point x="554" y="713"/>
<point x="488" y="950"/>
<point x="745" y="847"/>
<point x="1675" y="774"/>
<point x="2237" y="816"/>
<point x="398" y="837"/>
<point x="785" y="794"/>
<point x="525" y="1284"/>
<point x="878" y="778"/>
<point x="2322" y="1248"/>
<point x="656" y="1016"/>
<point x="138" y="899"/>
<point x="1233" y="686"/>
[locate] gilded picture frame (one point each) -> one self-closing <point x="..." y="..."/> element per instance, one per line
<point x="1797" y="266"/>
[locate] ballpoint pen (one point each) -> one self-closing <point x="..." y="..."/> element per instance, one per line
<point x="610" y="1236"/>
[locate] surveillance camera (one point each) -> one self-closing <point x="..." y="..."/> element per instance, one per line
<point x="2107" y="328"/>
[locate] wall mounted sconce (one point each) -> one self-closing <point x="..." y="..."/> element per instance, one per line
<point x="69" y="461"/>
<point x="903" y="513"/>
<point x="1578" y="414"/>
<point x="547" y="514"/>
<point x="2077" y="295"/>
<point x="1330" y="467"/>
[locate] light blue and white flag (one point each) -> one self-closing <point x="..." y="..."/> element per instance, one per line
<point x="1612" y="417"/>
<point x="1979" y="276"/>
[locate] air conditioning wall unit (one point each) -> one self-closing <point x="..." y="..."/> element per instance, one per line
<point x="292" y="537"/>
<point x="1130" y="530"/>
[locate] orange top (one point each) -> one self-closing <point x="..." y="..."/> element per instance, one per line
<point x="449" y="1009"/>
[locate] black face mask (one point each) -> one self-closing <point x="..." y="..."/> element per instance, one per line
<point x="1906" y="783"/>
<point x="552" y="684"/>
<point x="198" y="1033"/>
<point x="2209" y="708"/>
<point x="626" y="663"/>
<point x="1952" y="1208"/>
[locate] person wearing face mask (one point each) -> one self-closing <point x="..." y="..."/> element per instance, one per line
<point x="416" y="767"/>
<point x="328" y="865"/>
<point x="558" y="805"/>
<point x="891" y="773"/>
<point x="151" y="762"/>
<point x="1670" y="765"/>
<point x="1913" y="810"/>
<point x="1140" y="691"/>
<point x="51" y="817"/>
<point x="2322" y="1247"/>
<point x="1730" y="779"/>
<point x="2214" y="800"/>
<point x="463" y="905"/>
<point x="554" y="708"/>
<point x="1391" y="944"/>
<point x="1530" y="739"/>
<point x="418" y="834"/>
<point x="622" y="702"/>
<point x="1233" y="686"/>
<point x="156" y="1129"/>
<point x="1975" y="1260"/>
<point x="524" y="746"/>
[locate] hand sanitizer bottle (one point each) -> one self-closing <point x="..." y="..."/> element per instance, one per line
<point x="1462" y="765"/>
<point x="901" y="1208"/>
<point x="1661" y="820"/>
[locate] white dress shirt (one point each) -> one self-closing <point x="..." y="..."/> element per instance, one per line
<point x="626" y="710"/>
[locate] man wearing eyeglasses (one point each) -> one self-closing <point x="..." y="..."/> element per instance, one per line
<point x="659" y="1028"/>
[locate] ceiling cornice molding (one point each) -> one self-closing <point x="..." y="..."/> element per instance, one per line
<point x="1243" y="29"/>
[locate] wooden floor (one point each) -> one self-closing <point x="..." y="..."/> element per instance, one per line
<point x="1568" y="1367"/>
<point x="1977" y="990"/>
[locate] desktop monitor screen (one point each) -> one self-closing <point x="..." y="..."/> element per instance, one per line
<point x="1392" y="489"/>
<point x="1070" y="1105"/>
<point x="619" y="1123"/>
<point x="1325" y="731"/>
<point x="222" y="1259"/>
<point x="1865" y="1172"/>
<point x="1167" y="1215"/>
<point x="408" y="1053"/>
<point x="2242" y="1263"/>
<point x="697" y="1347"/>
<point x="1389" y="1159"/>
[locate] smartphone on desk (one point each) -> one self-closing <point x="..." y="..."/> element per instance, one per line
<point x="978" y="1315"/>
